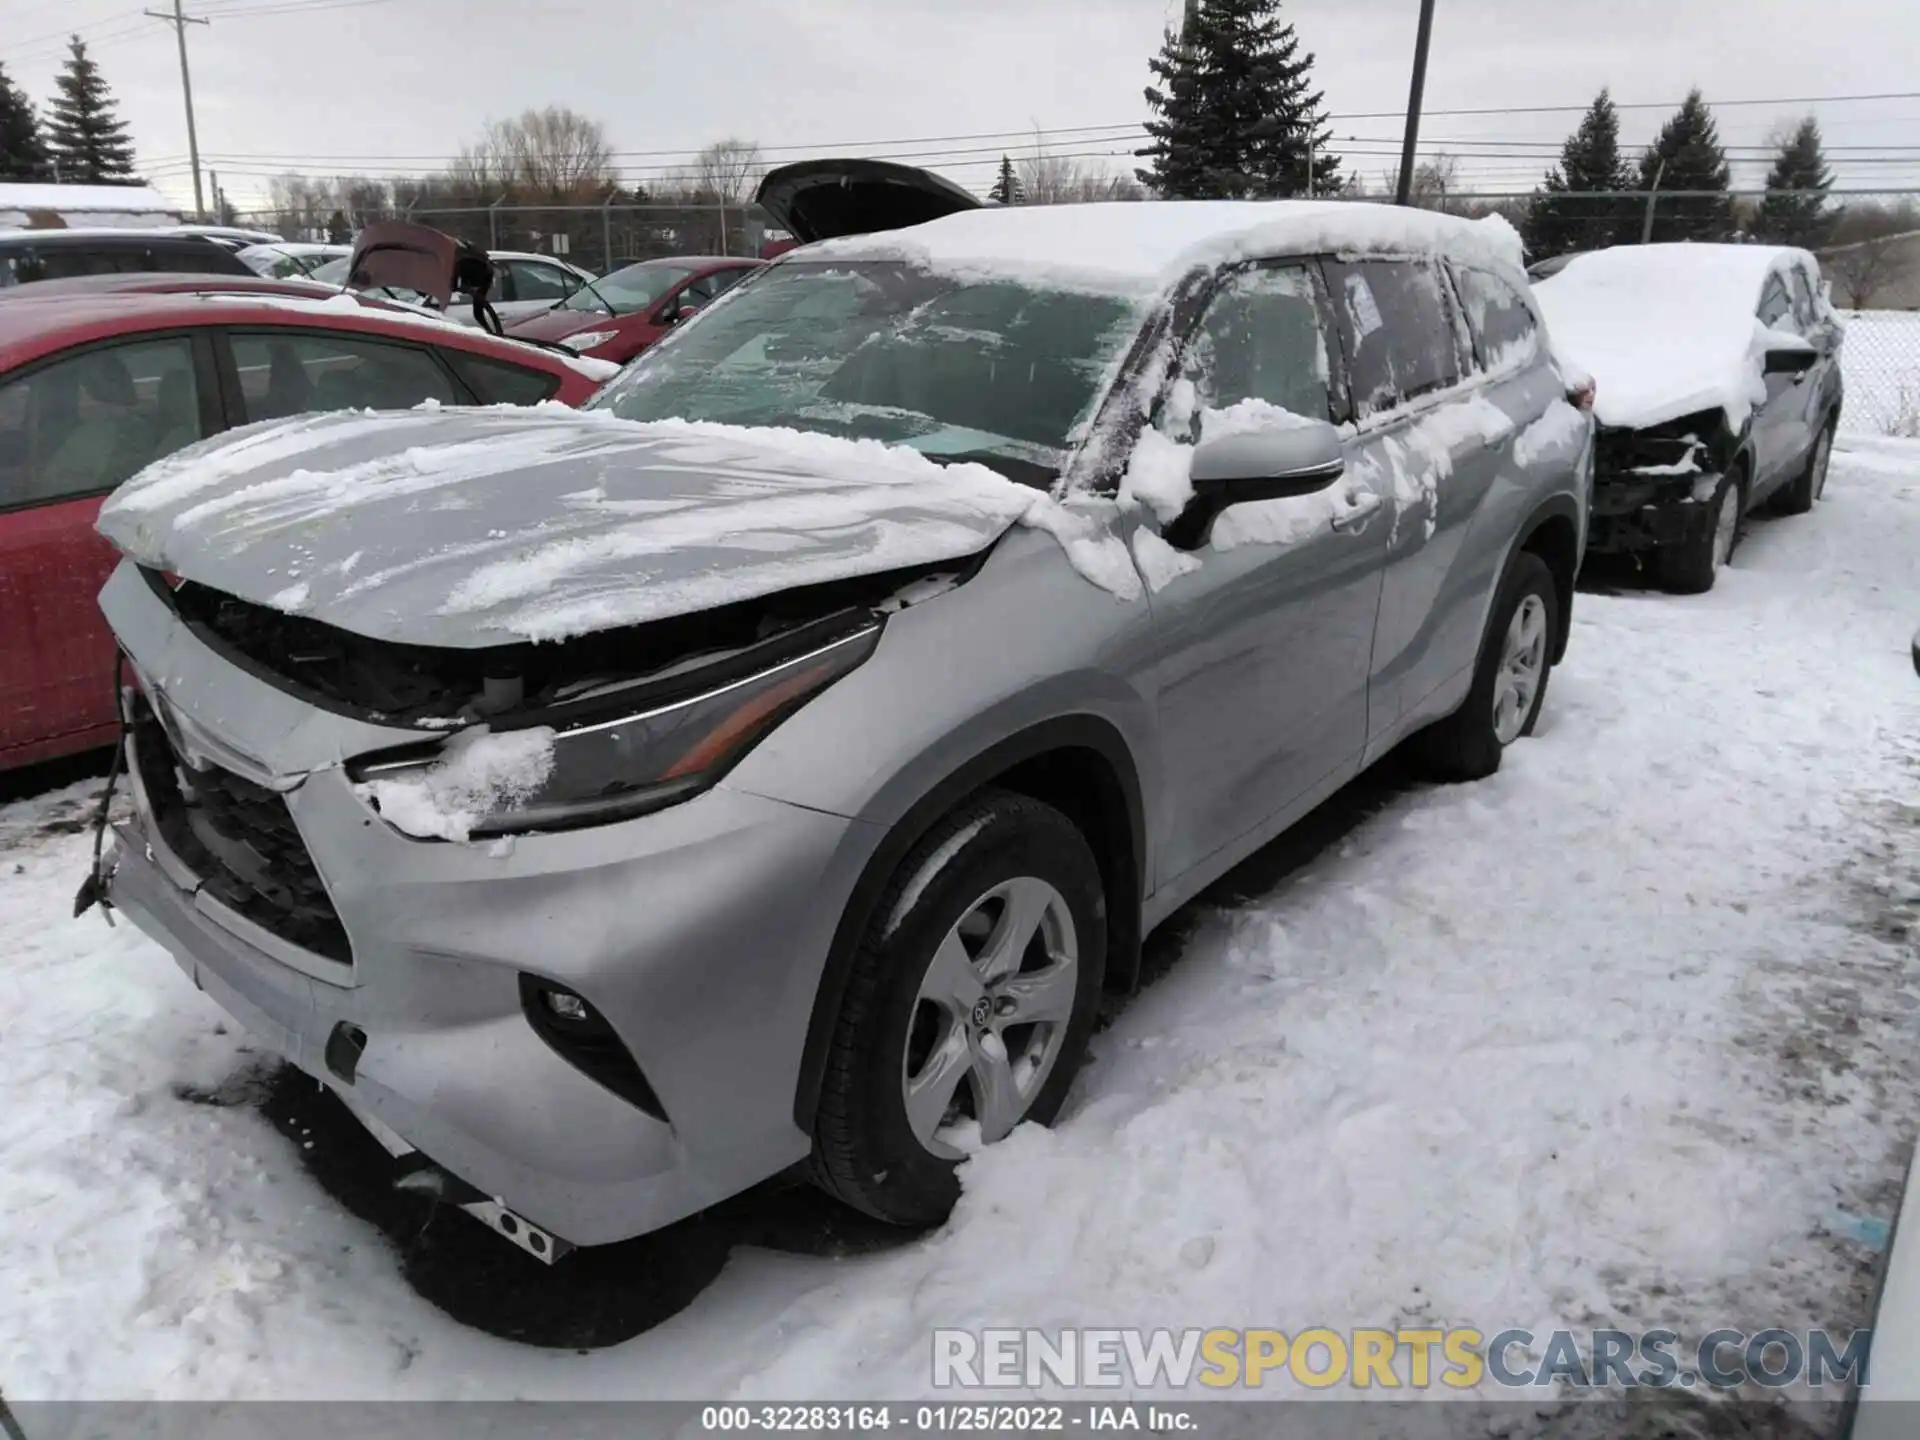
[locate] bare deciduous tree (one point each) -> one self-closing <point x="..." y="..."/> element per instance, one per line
<point x="727" y="171"/>
<point x="556" y="154"/>
<point x="1049" y="179"/>
<point x="1862" y="270"/>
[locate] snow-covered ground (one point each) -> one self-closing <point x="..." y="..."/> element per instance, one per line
<point x="1624" y="1035"/>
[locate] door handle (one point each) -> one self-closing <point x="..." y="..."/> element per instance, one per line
<point x="1363" y="510"/>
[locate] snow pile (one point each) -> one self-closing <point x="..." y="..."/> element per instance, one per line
<point x="1123" y="248"/>
<point x="1666" y="330"/>
<point x="478" y="774"/>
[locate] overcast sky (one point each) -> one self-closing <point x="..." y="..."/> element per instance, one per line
<point x="396" y="85"/>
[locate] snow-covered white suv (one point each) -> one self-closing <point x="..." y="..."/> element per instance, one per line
<point x="773" y="763"/>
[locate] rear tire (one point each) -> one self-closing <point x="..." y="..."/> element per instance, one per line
<point x="1811" y="483"/>
<point x="1509" y="679"/>
<point x="998" y="912"/>
<point x="1691" y="567"/>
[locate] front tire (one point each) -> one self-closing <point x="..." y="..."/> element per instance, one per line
<point x="1509" y="679"/>
<point x="1811" y="483"/>
<point x="968" y="1010"/>
<point x="1691" y="567"/>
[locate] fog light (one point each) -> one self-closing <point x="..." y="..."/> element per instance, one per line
<point x="566" y="1005"/>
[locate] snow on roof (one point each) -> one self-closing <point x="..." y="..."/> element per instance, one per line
<point x="1135" y="246"/>
<point x="1666" y="330"/>
<point x="69" y="199"/>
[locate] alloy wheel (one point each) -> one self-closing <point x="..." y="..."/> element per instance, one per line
<point x="1523" y="664"/>
<point x="991" y="1016"/>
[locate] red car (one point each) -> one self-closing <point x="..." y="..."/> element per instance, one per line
<point x="96" y="383"/>
<point x="620" y="314"/>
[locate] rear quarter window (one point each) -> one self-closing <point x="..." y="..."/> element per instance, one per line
<point x="1397" y="327"/>
<point x="1506" y="332"/>
<point x="497" y="382"/>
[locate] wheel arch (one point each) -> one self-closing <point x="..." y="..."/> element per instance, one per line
<point x="1079" y="764"/>
<point x="1553" y="533"/>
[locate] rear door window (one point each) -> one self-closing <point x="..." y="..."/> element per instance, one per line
<point x="81" y="425"/>
<point x="1397" y="327"/>
<point x="63" y="262"/>
<point x="1506" y="333"/>
<point x="534" y="281"/>
<point x="298" y="372"/>
<point x="1261" y="338"/>
<point x="497" y="382"/>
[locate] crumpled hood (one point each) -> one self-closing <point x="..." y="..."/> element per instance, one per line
<point x="475" y="527"/>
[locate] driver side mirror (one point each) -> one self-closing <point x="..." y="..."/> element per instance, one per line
<point x="1274" y="463"/>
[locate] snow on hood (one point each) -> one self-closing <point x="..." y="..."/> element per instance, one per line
<point x="1130" y="247"/>
<point x="477" y="527"/>
<point x="1665" y="330"/>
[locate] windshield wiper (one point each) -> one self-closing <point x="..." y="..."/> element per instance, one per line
<point x="1022" y="472"/>
<point x="586" y="284"/>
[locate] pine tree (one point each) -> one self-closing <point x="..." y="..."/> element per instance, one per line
<point x="1007" y="189"/>
<point x="1560" y="217"/>
<point x="23" y="154"/>
<point x="87" y="141"/>
<point x="1795" y="210"/>
<point x="1688" y="156"/>
<point x="1236" y="114"/>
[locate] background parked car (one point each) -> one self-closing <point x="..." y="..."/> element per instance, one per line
<point x="27" y="256"/>
<point x="620" y="314"/>
<point x="94" y="386"/>
<point x="1719" y="391"/>
<point x="285" y="260"/>
<point x="524" y="285"/>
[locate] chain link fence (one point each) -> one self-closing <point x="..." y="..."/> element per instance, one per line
<point x="597" y="237"/>
<point x="1881" y="363"/>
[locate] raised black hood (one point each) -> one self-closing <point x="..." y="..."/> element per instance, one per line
<point x="825" y="199"/>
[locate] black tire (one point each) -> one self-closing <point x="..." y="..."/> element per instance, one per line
<point x="1465" y="746"/>
<point x="1807" y="487"/>
<point x="1691" y="567"/>
<point x="865" y="1149"/>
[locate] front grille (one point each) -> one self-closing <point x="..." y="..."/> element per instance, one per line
<point x="373" y="679"/>
<point x="240" y="839"/>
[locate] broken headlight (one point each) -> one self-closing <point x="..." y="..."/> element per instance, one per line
<point x="610" y="762"/>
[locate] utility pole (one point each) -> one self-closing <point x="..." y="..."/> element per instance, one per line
<point x="179" y="19"/>
<point x="1414" y="101"/>
<point x="1646" y="227"/>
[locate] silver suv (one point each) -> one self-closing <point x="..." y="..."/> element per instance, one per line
<point x="773" y="765"/>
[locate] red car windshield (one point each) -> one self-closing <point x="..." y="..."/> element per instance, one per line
<point x="625" y="291"/>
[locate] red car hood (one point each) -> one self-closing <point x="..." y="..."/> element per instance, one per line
<point x="558" y="324"/>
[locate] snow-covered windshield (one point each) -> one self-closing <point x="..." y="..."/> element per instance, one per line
<point x="628" y="290"/>
<point x="996" y="370"/>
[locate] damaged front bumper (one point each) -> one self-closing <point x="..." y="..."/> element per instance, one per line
<point x="1633" y="513"/>
<point x="698" y="933"/>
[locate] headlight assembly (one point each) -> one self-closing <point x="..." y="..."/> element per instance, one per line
<point x="560" y="769"/>
<point x="588" y="339"/>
